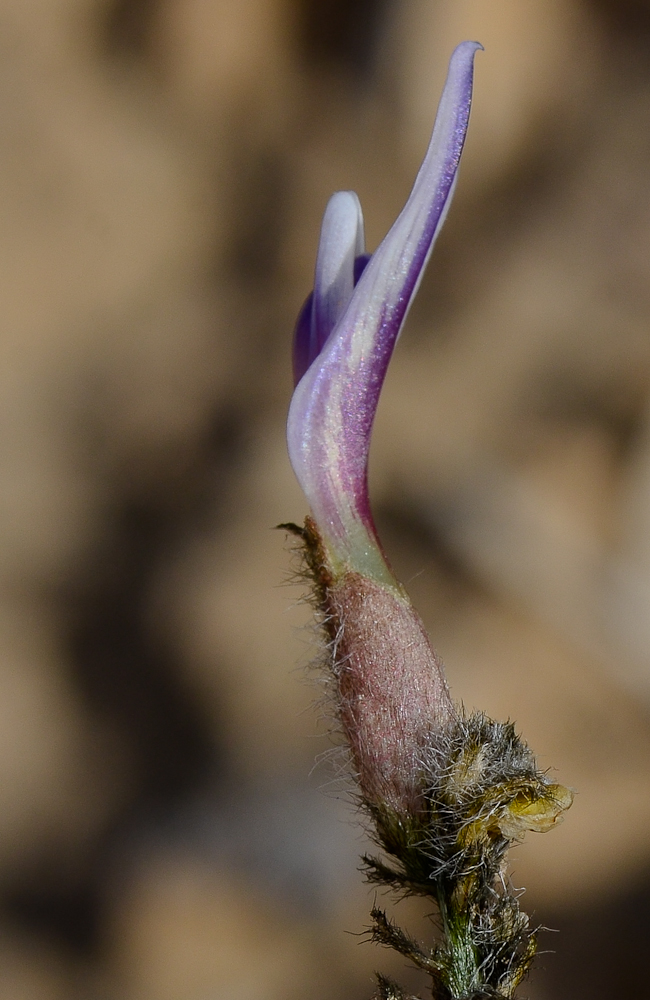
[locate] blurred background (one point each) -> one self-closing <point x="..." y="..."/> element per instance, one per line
<point x="164" y="166"/>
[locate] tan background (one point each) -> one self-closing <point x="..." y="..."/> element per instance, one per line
<point x="163" y="168"/>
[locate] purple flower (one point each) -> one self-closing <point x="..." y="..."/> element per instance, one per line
<point x="446" y="792"/>
<point x="348" y="328"/>
<point x="392" y="696"/>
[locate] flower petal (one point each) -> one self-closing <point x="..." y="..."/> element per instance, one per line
<point x="302" y="349"/>
<point x="341" y="243"/>
<point x="334" y="405"/>
<point x="360" y="264"/>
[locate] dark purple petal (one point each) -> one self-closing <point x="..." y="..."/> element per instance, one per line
<point x="341" y="243"/>
<point x="360" y="264"/>
<point x="302" y="340"/>
<point x="334" y="405"/>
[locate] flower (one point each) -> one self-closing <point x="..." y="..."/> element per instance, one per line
<point x="391" y="689"/>
<point x="348" y="328"/>
<point x="447" y="792"/>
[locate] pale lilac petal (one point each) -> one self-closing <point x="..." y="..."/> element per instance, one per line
<point x="334" y="405"/>
<point x="306" y="349"/>
<point x="341" y="242"/>
<point x="341" y="245"/>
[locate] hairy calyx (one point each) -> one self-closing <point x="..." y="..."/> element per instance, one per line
<point x="446" y="793"/>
